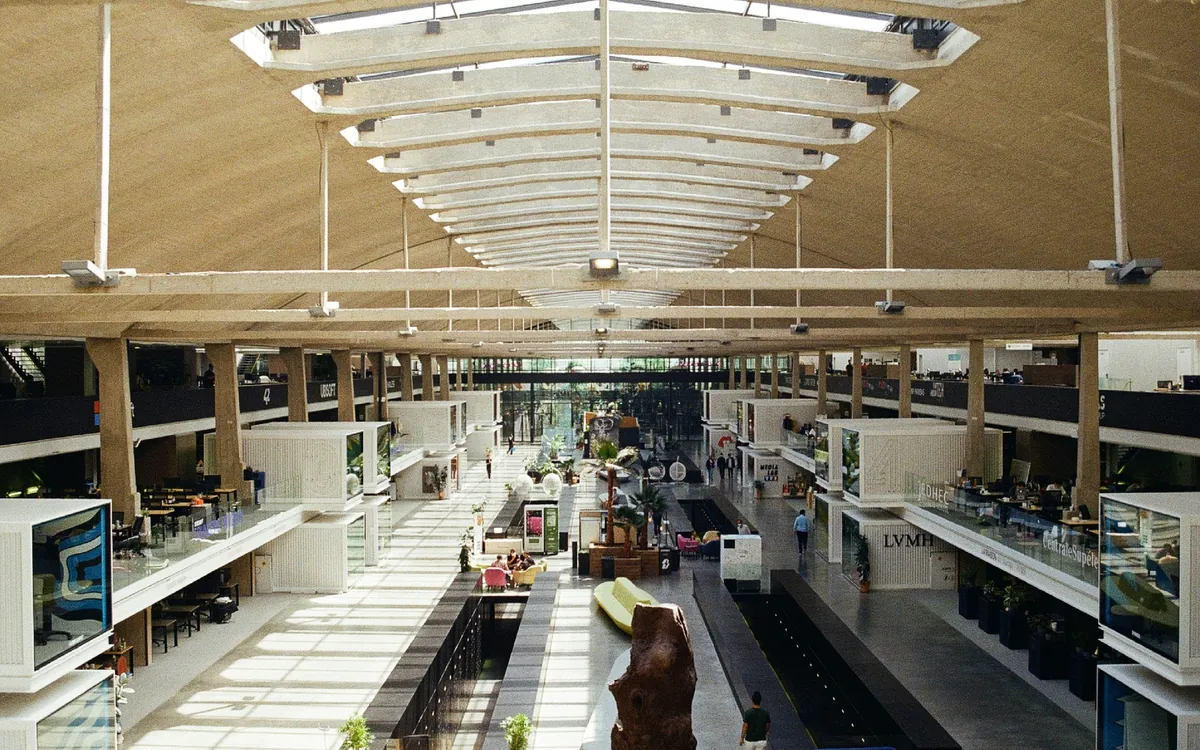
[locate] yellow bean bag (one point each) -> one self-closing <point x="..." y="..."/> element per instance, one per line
<point x="618" y="599"/>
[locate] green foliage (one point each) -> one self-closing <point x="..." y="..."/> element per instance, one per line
<point x="516" y="731"/>
<point x="1016" y="596"/>
<point x="649" y="500"/>
<point x="862" y="558"/>
<point x="466" y="543"/>
<point x="355" y="735"/>
<point x="440" y="478"/>
<point x="628" y="516"/>
<point x="992" y="590"/>
<point x="606" y="450"/>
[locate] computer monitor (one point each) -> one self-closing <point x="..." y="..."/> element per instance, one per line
<point x="1191" y="382"/>
<point x="1019" y="470"/>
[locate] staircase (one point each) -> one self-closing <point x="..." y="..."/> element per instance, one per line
<point x="246" y="364"/>
<point x="26" y="362"/>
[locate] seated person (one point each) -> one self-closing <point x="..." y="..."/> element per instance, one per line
<point x="710" y="536"/>
<point x="512" y="558"/>
<point x="1166" y="554"/>
<point x="499" y="563"/>
<point x="742" y="528"/>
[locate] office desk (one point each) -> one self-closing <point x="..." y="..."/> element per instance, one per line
<point x="1080" y="523"/>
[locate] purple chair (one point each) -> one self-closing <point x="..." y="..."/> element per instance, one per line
<point x="495" y="579"/>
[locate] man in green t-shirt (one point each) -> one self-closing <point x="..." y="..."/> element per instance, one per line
<point x="756" y="724"/>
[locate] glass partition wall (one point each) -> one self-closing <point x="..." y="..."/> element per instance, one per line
<point x="668" y="409"/>
<point x="71" y="580"/>
<point x="1140" y="576"/>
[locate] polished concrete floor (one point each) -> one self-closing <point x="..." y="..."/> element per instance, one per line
<point x="980" y="699"/>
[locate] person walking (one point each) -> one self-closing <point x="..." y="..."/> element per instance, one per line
<point x="487" y="461"/>
<point x="512" y="446"/>
<point x="709" y="465"/>
<point x="802" y="526"/>
<point x="756" y="724"/>
<point x="722" y="466"/>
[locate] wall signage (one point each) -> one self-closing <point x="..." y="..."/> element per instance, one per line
<point x="1088" y="558"/>
<point x="919" y="539"/>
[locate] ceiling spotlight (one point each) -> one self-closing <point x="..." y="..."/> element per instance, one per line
<point x="601" y="331"/>
<point x="410" y="331"/>
<point x="326" y="309"/>
<point x="477" y="345"/>
<point x="603" y="264"/>
<point x="85" y="273"/>
<point x="798" y="328"/>
<point x="1133" y="272"/>
<point x="889" y="307"/>
<point x="607" y="308"/>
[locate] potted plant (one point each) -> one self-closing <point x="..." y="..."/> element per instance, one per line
<point x="466" y="543"/>
<point x="968" y="592"/>
<point x="355" y="734"/>
<point x="991" y="604"/>
<point x="568" y="470"/>
<point x="440" y="478"/>
<point x="629" y="518"/>
<point x="1014" y="629"/>
<point x="1047" y="649"/>
<point x="606" y="451"/>
<point x="516" y="731"/>
<point x="121" y="691"/>
<point x="759" y="486"/>
<point x="862" y="562"/>
<point x="554" y="445"/>
<point x="648" y="500"/>
<point x="1081" y="662"/>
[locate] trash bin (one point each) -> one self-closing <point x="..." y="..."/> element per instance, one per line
<point x="575" y="555"/>
<point x="585" y="563"/>
<point x="608" y="567"/>
<point x="668" y="560"/>
<point x="564" y="538"/>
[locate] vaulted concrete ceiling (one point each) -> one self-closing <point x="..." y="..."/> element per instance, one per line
<point x="1001" y="158"/>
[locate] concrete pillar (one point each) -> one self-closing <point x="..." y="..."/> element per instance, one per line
<point x="905" y="381"/>
<point x="428" y="392"/>
<point x="856" y="382"/>
<point x="406" y="376"/>
<point x="295" y="362"/>
<point x="471" y="374"/>
<point x="379" y="372"/>
<point x="822" y="382"/>
<point x="462" y="374"/>
<point x="975" y="450"/>
<point x="443" y="366"/>
<point x="117" y="478"/>
<point x="743" y="368"/>
<point x="758" y="376"/>
<point x="227" y="412"/>
<point x="1087" y="461"/>
<point x="732" y="374"/>
<point x="774" y="376"/>
<point x="345" y="385"/>
<point x="795" y="357"/>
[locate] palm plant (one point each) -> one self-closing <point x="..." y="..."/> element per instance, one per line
<point x="648" y="500"/>
<point x="630" y="518"/>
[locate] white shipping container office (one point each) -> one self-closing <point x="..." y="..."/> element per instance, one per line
<point x="325" y="555"/>
<point x="719" y="406"/>
<point x="432" y="425"/>
<point x="77" y="710"/>
<point x="761" y="420"/>
<point x="1138" y="710"/>
<point x="826" y="535"/>
<point x="377" y="512"/>
<point x="377" y="447"/>
<point x="901" y="555"/>
<point x="483" y="423"/>
<point x="718" y="440"/>
<point x="827" y="455"/>
<point x="415" y="482"/>
<point x="882" y="462"/>
<point x="766" y="467"/>
<point x="56" y="589"/>
<point x="317" y="470"/>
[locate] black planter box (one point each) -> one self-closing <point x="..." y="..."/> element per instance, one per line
<point x="1047" y="657"/>
<point x="989" y="614"/>
<point x="1081" y="668"/>
<point x="1014" y="630"/>
<point x="968" y="602"/>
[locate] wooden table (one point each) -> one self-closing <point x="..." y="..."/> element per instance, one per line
<point x="188" y="612"/>
<point x="1090" y="523"/>
<point x="163" y="624"/>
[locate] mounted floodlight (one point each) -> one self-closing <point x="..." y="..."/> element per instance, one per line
<point x="326" y="309"/>
<point x="477" y="345"/>
<point x="85" y="273"/>
<point x="607" y="308"/>
<point x="798" y="328"/>
<point x="889" y="307"/>
<point x="1133" y="272"/>
<point x="603" y="265"/>
<point x="410" y="331"/>
<point x="601" y="331"/>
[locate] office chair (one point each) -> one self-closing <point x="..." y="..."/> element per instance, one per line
<point x="1085" y="513"/>
<point x="132" y="543"/>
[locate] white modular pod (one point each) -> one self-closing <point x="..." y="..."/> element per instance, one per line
<point x="316" y="470"/>
<point x="56" y="589"/>
<point x="377" y="447"/>
<point x="482" y="407"/>
<point x="901" y="555"/>
<point x="481" y="439"/>
<point x="325" y="555"/>
<point x="881" y="463"/>
<point x="763" y="419"/>
<point x="826" y="536"/>
<point x="377" y="511"/>
<point x="432" y="425"/>
<point x="76" y="711"/>
<point x="764" y="471"/>
<point x="1138" y="710"/>
<point x="827" y="455"/>
<point x="741" y="561"/>
<point x="419" y="481"/>
<point x="719" y="440"/>
<point x="719" y="406"/>
<point x="1149" y="569"/>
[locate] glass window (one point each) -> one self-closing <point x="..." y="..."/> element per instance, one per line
<point x="356" y="548"/>
<point x="820" y="528"/>
<point x="89" y="722"/>
<point x="383" y="450"/>
<point x="821" y="452"/>
<point x="1128" y="720"/>
<point x="72" y="584"/>
<point x="1140" y="576"/>
<point x="354" y="463"/>
<point x="849" y="544"/>
<point x="851" y="463"/>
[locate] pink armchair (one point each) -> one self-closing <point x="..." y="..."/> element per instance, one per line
<point x="687" y="545"/>
<point x="494" y="579"/>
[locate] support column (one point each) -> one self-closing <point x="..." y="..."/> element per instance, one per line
<point x="732" y="374"/>
<point x="975" y="458"/>
<point x="117" y="479"/>
<point x="227" y="413"/>
<point x="471" y="374"/>
<point x="758" y="376"/>
<point x="294" y="361"/>
<point x="905" y="381"/>
<point x="345" y="385"/>
<point x="1087" y="461"/>
<point x="744" y="369"/>
<point x="774" y="376"/>
<point x="428" y="392"/>
<point x="462" y="374"/>
<point x="379" y="370"/>
<point x="406" y="376"/>
<point x="822" y="382"/>
<point x="443" y="366"/>
<point x="856" y="385"/>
